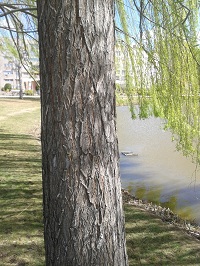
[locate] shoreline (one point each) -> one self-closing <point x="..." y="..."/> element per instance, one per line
<point x="164" y="214"/>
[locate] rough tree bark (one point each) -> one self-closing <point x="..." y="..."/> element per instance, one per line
<point x="83" y="217"/>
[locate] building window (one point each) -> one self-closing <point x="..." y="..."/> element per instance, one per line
<point x="123" y="72"/>
<point x="118" y="53"/>
<point x="8" y="72"/>
<point x="8" y="66"/>
<point x="8" y="80"/>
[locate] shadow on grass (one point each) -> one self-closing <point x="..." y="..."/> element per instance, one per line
<point x="21" y="227"/>
<point x="153" y="242"/>
<point x="16" y="142"/>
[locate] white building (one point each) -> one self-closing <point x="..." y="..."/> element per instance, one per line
<point x="121" y="60"/>
<point x="136" y="67"/>
<point x="11" y="69"/>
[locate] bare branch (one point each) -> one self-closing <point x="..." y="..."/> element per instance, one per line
<point x="23" y="10"/>
<point x="17" y="8"/>
<point x="14" y="30"/>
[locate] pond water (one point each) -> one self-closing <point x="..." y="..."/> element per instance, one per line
<point x="158" y="173"/>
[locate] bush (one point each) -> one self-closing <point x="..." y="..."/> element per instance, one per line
<point x="7" y="87"/>
<point x="29" y="92"/>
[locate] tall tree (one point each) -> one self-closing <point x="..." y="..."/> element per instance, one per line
<point x="18" y="31"/>
<point x="83" y="217"/>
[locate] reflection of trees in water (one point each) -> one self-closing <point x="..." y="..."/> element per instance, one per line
<point x="153" y="195"/>
<point x="140" y="192"/>
<point x="171" y="203"/>
<point x="186" y="213"/>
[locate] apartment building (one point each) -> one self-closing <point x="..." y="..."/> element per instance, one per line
<point x="137" y="67"/>
<point x="121" y="61"/>
<point x="11" y="71"/>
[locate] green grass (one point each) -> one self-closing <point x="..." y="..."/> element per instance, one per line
<point x="149" y="240"/>
<point x="21" y="230"/>
<point x="153" y="242"/>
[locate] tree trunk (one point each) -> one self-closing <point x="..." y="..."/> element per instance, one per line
<point x="19" y="72"/>
<point x="83" y="217"/>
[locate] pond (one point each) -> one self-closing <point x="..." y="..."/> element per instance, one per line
<point x="157" y="171"/>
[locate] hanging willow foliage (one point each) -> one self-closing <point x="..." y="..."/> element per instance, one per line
<point x="160" y="40"/>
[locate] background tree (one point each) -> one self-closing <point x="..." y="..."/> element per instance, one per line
<point x="19" y="37"/>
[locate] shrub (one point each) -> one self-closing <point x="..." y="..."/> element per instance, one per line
<point x="7" y="87"/>
<point x="29" y="92"/>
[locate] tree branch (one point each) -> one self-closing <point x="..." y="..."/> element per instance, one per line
<point x="23" y="10"/>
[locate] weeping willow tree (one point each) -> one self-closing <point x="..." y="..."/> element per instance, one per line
<point x="161" y="40"/>
<point x="161" y="58"/>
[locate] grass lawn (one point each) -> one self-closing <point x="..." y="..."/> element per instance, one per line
<point x="153" y="242"/>
<point x="21" y="236"/>
<point x="149" y="240"/>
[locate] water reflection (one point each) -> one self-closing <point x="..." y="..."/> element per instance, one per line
<point x="159" y="173"/>
<point x="154" y="195"/>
